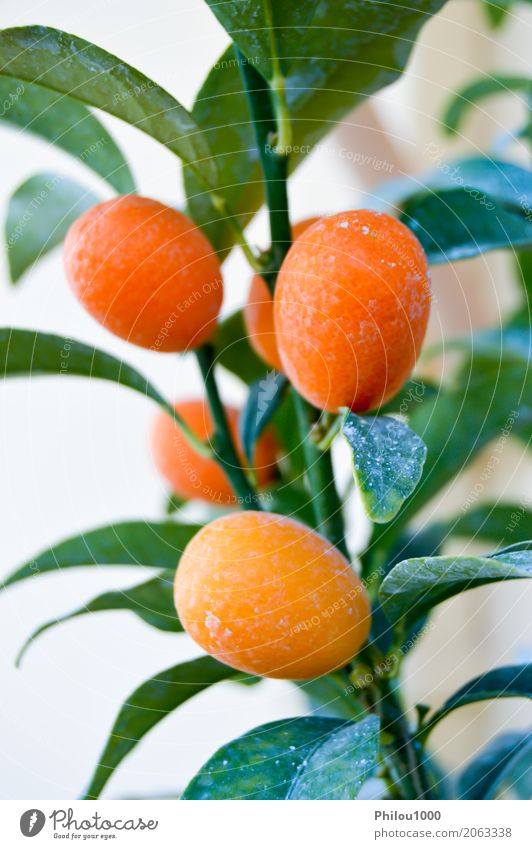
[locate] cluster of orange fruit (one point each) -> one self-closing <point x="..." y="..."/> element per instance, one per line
<point x="260" y="591"/>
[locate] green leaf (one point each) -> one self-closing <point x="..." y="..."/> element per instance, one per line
<point x="152" y="601"/>
<point x="70" y="65"/>
<point x="453" y="224"/>
<point x="233" y="351"/>
<point x="487" y="86"/>
<point x="267" y="32"/>
<point x="494" y="385"/>
<point x="150" y="703"/>
<point x="301" y="758"/>
<point x="39" y="216"/>
<point x="480" y="177"/>
<point x="415" y="586"/>
<point x="388" y="460"/>
<point x="265" y="396"/>
<point x="29" y="352"/>
<point x="496" y="522"/>
<point x="290" y="499"/>
<point x="351" y="50"/>
<point x="67" y="124"/>
<point x="503" y="683"/>
<point x="141" y="543"/>
<point x="505" y="761"/>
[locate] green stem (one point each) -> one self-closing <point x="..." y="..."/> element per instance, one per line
<point x="404" y="752"/>
<point x="225" y="450"/>
<point x="325" y="501"/>
<point x="202" y="448"/>
<point x="274" y="161"/>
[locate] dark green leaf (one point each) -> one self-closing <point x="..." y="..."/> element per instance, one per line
<point x="267" y="32"/>
<point x="480" y="177"/>
<point x="503" y="683"/>
<point x="388" y="460"/>
<point x="233" y="351"/>
<point x="150" y="703"/>
<point x="505" y="759"/>
<point x="67" y="124"/>
<point x="70" y="65"/>
<point x="157" y="544"/>
<point x="174" y="503"/>
<point x="290" y="499"/>
<point x="454" y="224"/>
<point x="496" y="11"/>
<point x="152" y="601"/>
<point x="497" y="522"/>
<point x="29" y="352"/>
<point x="332" y="695"/>
<point x="39" y="215"/>
<point x="302" y="758"/>
<point x="265" y="396"/>
<point x="494" y="386"/>
<point x="487" y="86"/>
<point x="351" y="50"/>
<point x="415" y="586"/>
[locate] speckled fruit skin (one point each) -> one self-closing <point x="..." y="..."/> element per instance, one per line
<point x="351" y="308"/>
<point x="269" y="596"/>
<point x="189" y="474"/>
<point x="145" y="272"/>
<point x="258" y="311"/>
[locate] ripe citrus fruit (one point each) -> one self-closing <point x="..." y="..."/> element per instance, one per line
<point x="145" y="272"/>
<point x="258" y="312"/>
<point x="267" y="595"/>
<point x="351" y="307"/>
<point x="189" y="474"/>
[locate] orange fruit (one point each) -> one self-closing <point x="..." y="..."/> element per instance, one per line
<point x="269" y="596"/>
<point x="189" y="474"/>
<point x="351" y="308"/>
<point x="258" y="312"/>
<point x="145" y="272"/>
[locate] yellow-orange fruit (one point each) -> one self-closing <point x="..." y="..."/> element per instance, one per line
<point x="351" y="308"/>
<point x="189" y="474"/>
<point x="258" y="312"/>
<point x="267" y="595"/>
<point x="146" y="272"/>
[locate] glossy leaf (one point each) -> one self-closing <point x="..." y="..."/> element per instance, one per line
<point x="267" y="32"/>
<point x="505" y="762"/>
<point x="491" y="84"/>
<point x="479" y="177"/>
<point x="415" y="586"/>
<point x="233" y="351"/>
<point x="31" y="353"/>
<point x="68" y="125"/>
<point x="265" y="396"/>
<point x="141" y="543"/>
<point x="67" y="64"/>
<point x="350" y="51"/>
<point x="148" y="705"/>
<point x="152" y="601"/>
<point x="388" y="460"/>
<point x="39" y="215"/>
<point x="302" y="758"/>
<point x="503" y="683"/>
<point x="454" y="224"/>
<point x="487" y="401"/>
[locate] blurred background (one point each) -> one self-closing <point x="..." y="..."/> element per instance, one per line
<point x="75" y="454"/>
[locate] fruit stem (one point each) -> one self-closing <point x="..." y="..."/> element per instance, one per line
<point x="325" y="501"/>
<point x="220" y="204"/>
<point x="202" y="448"/>
<point x="274" y="158"/>
<point x="225" y="452"/>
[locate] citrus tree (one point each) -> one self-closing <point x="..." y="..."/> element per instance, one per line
<point x="326" y="345"/>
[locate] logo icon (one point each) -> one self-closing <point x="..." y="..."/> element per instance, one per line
<point x="32" y="822"/>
